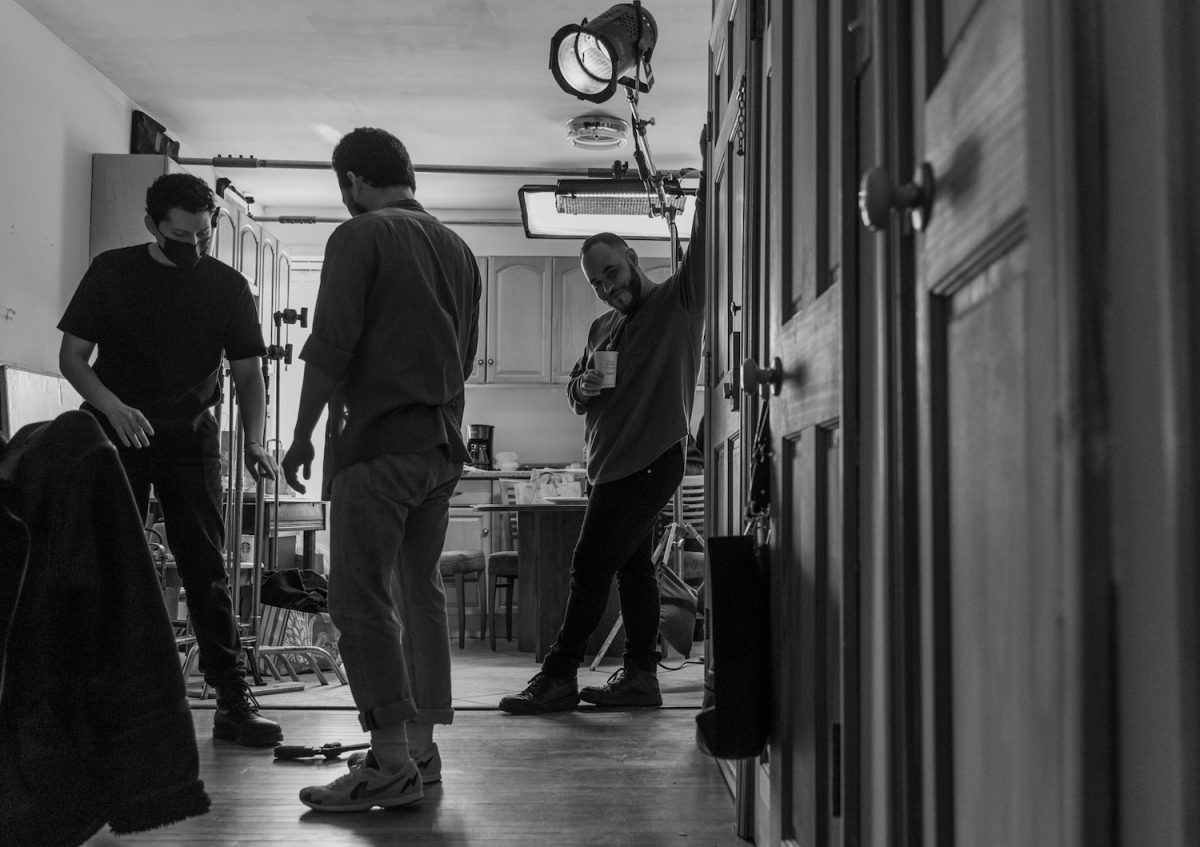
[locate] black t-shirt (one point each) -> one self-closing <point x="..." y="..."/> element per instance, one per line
<point x="160" y="331"/>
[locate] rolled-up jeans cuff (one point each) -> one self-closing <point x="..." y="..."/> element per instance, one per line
<point x="443" y="716"/>
<point x="389" y="715"/>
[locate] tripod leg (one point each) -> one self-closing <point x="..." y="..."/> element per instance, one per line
<point x="612" y="633"/>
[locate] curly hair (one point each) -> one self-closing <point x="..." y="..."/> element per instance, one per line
<point x="376" y="155"/>
<point x="178" y="191"/>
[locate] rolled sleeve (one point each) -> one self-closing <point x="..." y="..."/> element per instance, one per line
<point x="325" y="357"/>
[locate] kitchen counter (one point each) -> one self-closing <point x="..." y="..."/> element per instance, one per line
<point x="475" y="473"/>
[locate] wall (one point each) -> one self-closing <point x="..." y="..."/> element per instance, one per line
<point x="58" y="110"/>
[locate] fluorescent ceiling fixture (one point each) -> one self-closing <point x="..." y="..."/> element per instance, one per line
<point x="542" y="219"/>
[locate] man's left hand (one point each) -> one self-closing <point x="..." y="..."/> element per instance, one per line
<point x="260" y="462"/>
<point x="299" y="456"/>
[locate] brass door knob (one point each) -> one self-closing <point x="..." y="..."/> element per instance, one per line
<point x="753" y="376"/>
<point x="878" y="196"/>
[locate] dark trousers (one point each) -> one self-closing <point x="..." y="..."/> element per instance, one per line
<point x="184" y="465"/>
<point x="617" y="538"/>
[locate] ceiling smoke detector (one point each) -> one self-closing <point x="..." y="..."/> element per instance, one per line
<point x="597" y="132"/>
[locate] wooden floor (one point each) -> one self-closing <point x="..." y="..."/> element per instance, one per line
<point x="589" y="777"/>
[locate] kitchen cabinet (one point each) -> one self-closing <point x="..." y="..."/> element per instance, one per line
<point x="518" y="315"/>
<point x="479" y="375"/>
<point x="575" y="307"/>
<point x="468" y="529"/>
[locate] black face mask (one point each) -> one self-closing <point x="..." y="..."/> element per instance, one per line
<point x="184" y="254"/>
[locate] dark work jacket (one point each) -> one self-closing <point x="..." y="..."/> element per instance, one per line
<point x="94" y="720"/>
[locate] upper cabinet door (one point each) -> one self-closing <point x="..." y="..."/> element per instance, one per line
<point x="518" y="345"/>
<point x="575" y="307"/>
<point x="479" y="374"/>
<point x="658" y="269"/>
<point x="224" y="247"/>
<point x="248" y="261"/>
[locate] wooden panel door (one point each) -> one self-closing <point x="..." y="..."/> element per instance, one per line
<point x="519" y="301"/>
<point x="804" y="295"/>
<point x="726" y="175"/>
<point x="725" y="325"/>
<point x="994" y="666"/>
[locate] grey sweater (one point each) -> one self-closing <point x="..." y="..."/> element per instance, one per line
<point x="659" y="348"/>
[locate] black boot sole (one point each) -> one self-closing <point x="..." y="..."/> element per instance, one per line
<point x="236" y="735"/>
<point x="525" y="707"/>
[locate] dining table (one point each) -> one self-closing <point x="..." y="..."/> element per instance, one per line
<point x="546" y="536"/>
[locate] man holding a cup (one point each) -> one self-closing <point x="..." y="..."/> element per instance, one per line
<point x="635" y="382"/>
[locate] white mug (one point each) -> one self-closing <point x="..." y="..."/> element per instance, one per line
<point x="606" y="362"/>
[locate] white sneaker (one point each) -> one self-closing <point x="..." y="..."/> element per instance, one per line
<point x="429" y="763"/>
<point x="366" y="786"/>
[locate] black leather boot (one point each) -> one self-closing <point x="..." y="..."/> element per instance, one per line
<point x="543" y="694"/>
<point x="626" y="687"/>
<point x="237" y="719"/>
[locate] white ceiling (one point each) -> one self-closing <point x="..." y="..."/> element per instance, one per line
<point x="461" y="82"/>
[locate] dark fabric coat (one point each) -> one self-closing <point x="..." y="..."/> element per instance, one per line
<point x="94" y="720"/>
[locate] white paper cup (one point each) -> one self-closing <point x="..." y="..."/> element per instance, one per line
<point x="606" y="362"/>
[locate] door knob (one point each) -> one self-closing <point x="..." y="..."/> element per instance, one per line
<point x="878" y="196"/>
<point x="753" y="376"/>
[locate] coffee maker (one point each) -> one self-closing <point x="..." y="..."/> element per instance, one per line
<point x="479" y="445"/>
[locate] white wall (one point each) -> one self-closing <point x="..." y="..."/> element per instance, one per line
<point x="57" y="110"/>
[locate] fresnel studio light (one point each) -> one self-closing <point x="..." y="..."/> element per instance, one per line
<point x="590" y="60"/>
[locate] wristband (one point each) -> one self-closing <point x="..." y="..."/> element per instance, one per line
<point x="249" y="444"/>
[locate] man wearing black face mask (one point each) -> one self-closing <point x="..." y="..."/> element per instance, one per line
<point x="162" y="316"/>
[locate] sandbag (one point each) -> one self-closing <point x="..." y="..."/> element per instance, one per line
<point x="734" y="721"/>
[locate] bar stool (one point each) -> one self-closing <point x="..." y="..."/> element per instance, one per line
<point x="464" y="565"/>
<point x="502" y="567"/>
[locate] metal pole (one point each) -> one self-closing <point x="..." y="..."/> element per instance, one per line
<point x="233" y="504"/>
<point x="332" y="219"/>
<point x="470" y="170"/>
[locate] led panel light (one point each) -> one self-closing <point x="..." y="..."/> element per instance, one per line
<point x="626" y="214"/>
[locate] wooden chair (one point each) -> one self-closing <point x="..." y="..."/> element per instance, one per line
<point x="503" y="565"/>
<point x="464" y="565"/>
<point x="691" y="496"/>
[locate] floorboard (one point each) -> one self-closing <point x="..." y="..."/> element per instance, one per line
<point x="587" y="777"/>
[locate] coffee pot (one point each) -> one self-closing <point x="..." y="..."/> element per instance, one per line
<point x="479" y="445"/>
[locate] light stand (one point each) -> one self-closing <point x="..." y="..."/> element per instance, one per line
<point x="234" y="499"/>
<point x="276" y="353"/>
<point x="279" y="353"/>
